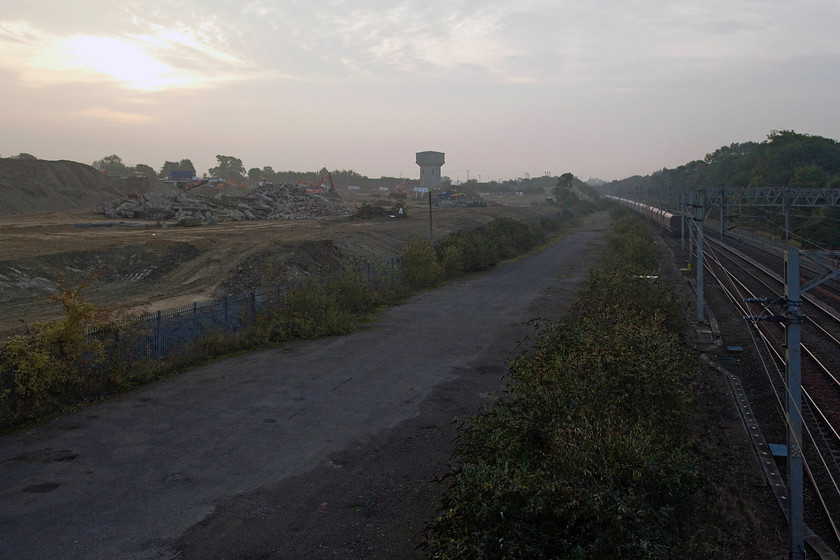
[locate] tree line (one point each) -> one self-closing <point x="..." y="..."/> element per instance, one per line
<point x="785" y="159"/>
<point x="231" y="168"/>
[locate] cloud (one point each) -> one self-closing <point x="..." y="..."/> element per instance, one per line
<point x="159" y="60"/>
<point x="109" y="115"/>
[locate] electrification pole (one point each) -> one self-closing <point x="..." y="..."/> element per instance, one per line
<point x="682" y="218"/>
<point x="793" y="358"/>
<point x="787" y="214"/>
<point x="699" y="227"/>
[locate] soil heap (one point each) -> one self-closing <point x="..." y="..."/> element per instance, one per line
<point x="33" y="186"/>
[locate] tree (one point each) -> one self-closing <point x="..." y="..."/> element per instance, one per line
<point x="144" y="170"/>
<point x="112" y="165"/>
<point x="183" y="165"/>
<point x="564" y="183"/>
<point x="809" y="177"/>
<point x="187" y="165"/>
<point x="24" y="155"/>
<point x="254" y="174"/>
<point x="230" y="168"/>
<point x="269" y="174"/>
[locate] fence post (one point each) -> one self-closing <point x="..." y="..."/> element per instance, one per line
<point x="253" y="316"/>
<point x="159" y="337"/>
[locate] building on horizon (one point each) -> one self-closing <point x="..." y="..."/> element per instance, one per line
<point x="430" y="164"/>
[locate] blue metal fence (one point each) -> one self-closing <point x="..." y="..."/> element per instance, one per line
<point x="166" y="333"/>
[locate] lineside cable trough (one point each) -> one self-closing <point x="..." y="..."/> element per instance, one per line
<point x="766" y="454"/>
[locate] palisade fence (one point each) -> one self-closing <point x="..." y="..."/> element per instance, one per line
<point x="166" y="333"/>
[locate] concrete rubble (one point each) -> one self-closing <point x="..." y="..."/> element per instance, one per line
<point x="268" y="202"/>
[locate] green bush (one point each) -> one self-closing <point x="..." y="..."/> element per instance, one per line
<point x="354" y="293"/>
<point x="44" y="362"/>
<point x="451" y="258"/>
<point x="314" y="309"/>
<point x="481" y="248"/>
<point x="420" y="266"/>
<point x="587" y="456"/>
<point x="311" y="310"/>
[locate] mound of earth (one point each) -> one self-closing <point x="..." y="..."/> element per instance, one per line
<point x="291" y="263"/>
<point x="31" y="186"/>
<point x="372" y="212"/>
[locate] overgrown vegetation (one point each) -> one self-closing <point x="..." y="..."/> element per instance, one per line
<point x="589" y="455"/>
<point x="56" y="365"/>
<point x="40" y="368"/>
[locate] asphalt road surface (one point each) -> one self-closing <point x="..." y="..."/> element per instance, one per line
<point x="324" y="449"/>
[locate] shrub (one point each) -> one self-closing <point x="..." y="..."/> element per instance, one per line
<point x="44" y="362"/>
<point x="420" y="266"/>
<point x="481" y="248"/>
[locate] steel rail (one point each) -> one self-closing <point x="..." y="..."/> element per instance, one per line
<point x="779" y="359"/>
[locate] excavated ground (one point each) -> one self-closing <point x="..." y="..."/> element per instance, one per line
<point x="150" y="267"/>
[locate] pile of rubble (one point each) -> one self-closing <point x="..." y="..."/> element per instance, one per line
<point x="268" y="202"/>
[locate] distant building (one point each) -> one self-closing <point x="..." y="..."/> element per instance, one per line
<point x="430" y="164"/>
<point x="180" y="175"/>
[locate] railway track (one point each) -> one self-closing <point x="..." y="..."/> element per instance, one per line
<point x="746" y="272"/>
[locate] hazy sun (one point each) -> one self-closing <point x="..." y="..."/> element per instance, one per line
<point x="124" y="61"/>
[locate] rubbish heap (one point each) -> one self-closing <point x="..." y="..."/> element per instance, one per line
<point x="267" y="202"/>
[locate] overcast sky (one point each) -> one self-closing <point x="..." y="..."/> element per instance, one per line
<point x="599" y="88"/>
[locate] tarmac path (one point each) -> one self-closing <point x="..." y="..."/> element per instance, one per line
<point x="320" y="449"/>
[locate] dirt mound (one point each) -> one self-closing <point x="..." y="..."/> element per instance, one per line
<point x="32" y="186"/>
<point x="290" y="263"/>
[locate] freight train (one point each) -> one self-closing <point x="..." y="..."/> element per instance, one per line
<point x="669" y="221"/>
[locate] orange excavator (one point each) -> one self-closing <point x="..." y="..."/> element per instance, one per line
<point x="399" y="192"/>
<point x="194" y="184"/>
<point x="320" y="187"/>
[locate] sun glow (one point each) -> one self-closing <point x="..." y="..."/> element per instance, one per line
<point x="127" y="62"/>
<point x="159" y="60"/>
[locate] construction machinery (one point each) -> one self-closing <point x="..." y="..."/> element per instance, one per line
<point x="320" y="187"/>
<point x="399" y="192"/>
<point x="195" y="184"/>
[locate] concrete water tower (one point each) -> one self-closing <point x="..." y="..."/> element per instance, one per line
<point x="430" y="164"/>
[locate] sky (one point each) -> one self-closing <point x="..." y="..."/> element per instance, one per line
<point x="506" y="89"/>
